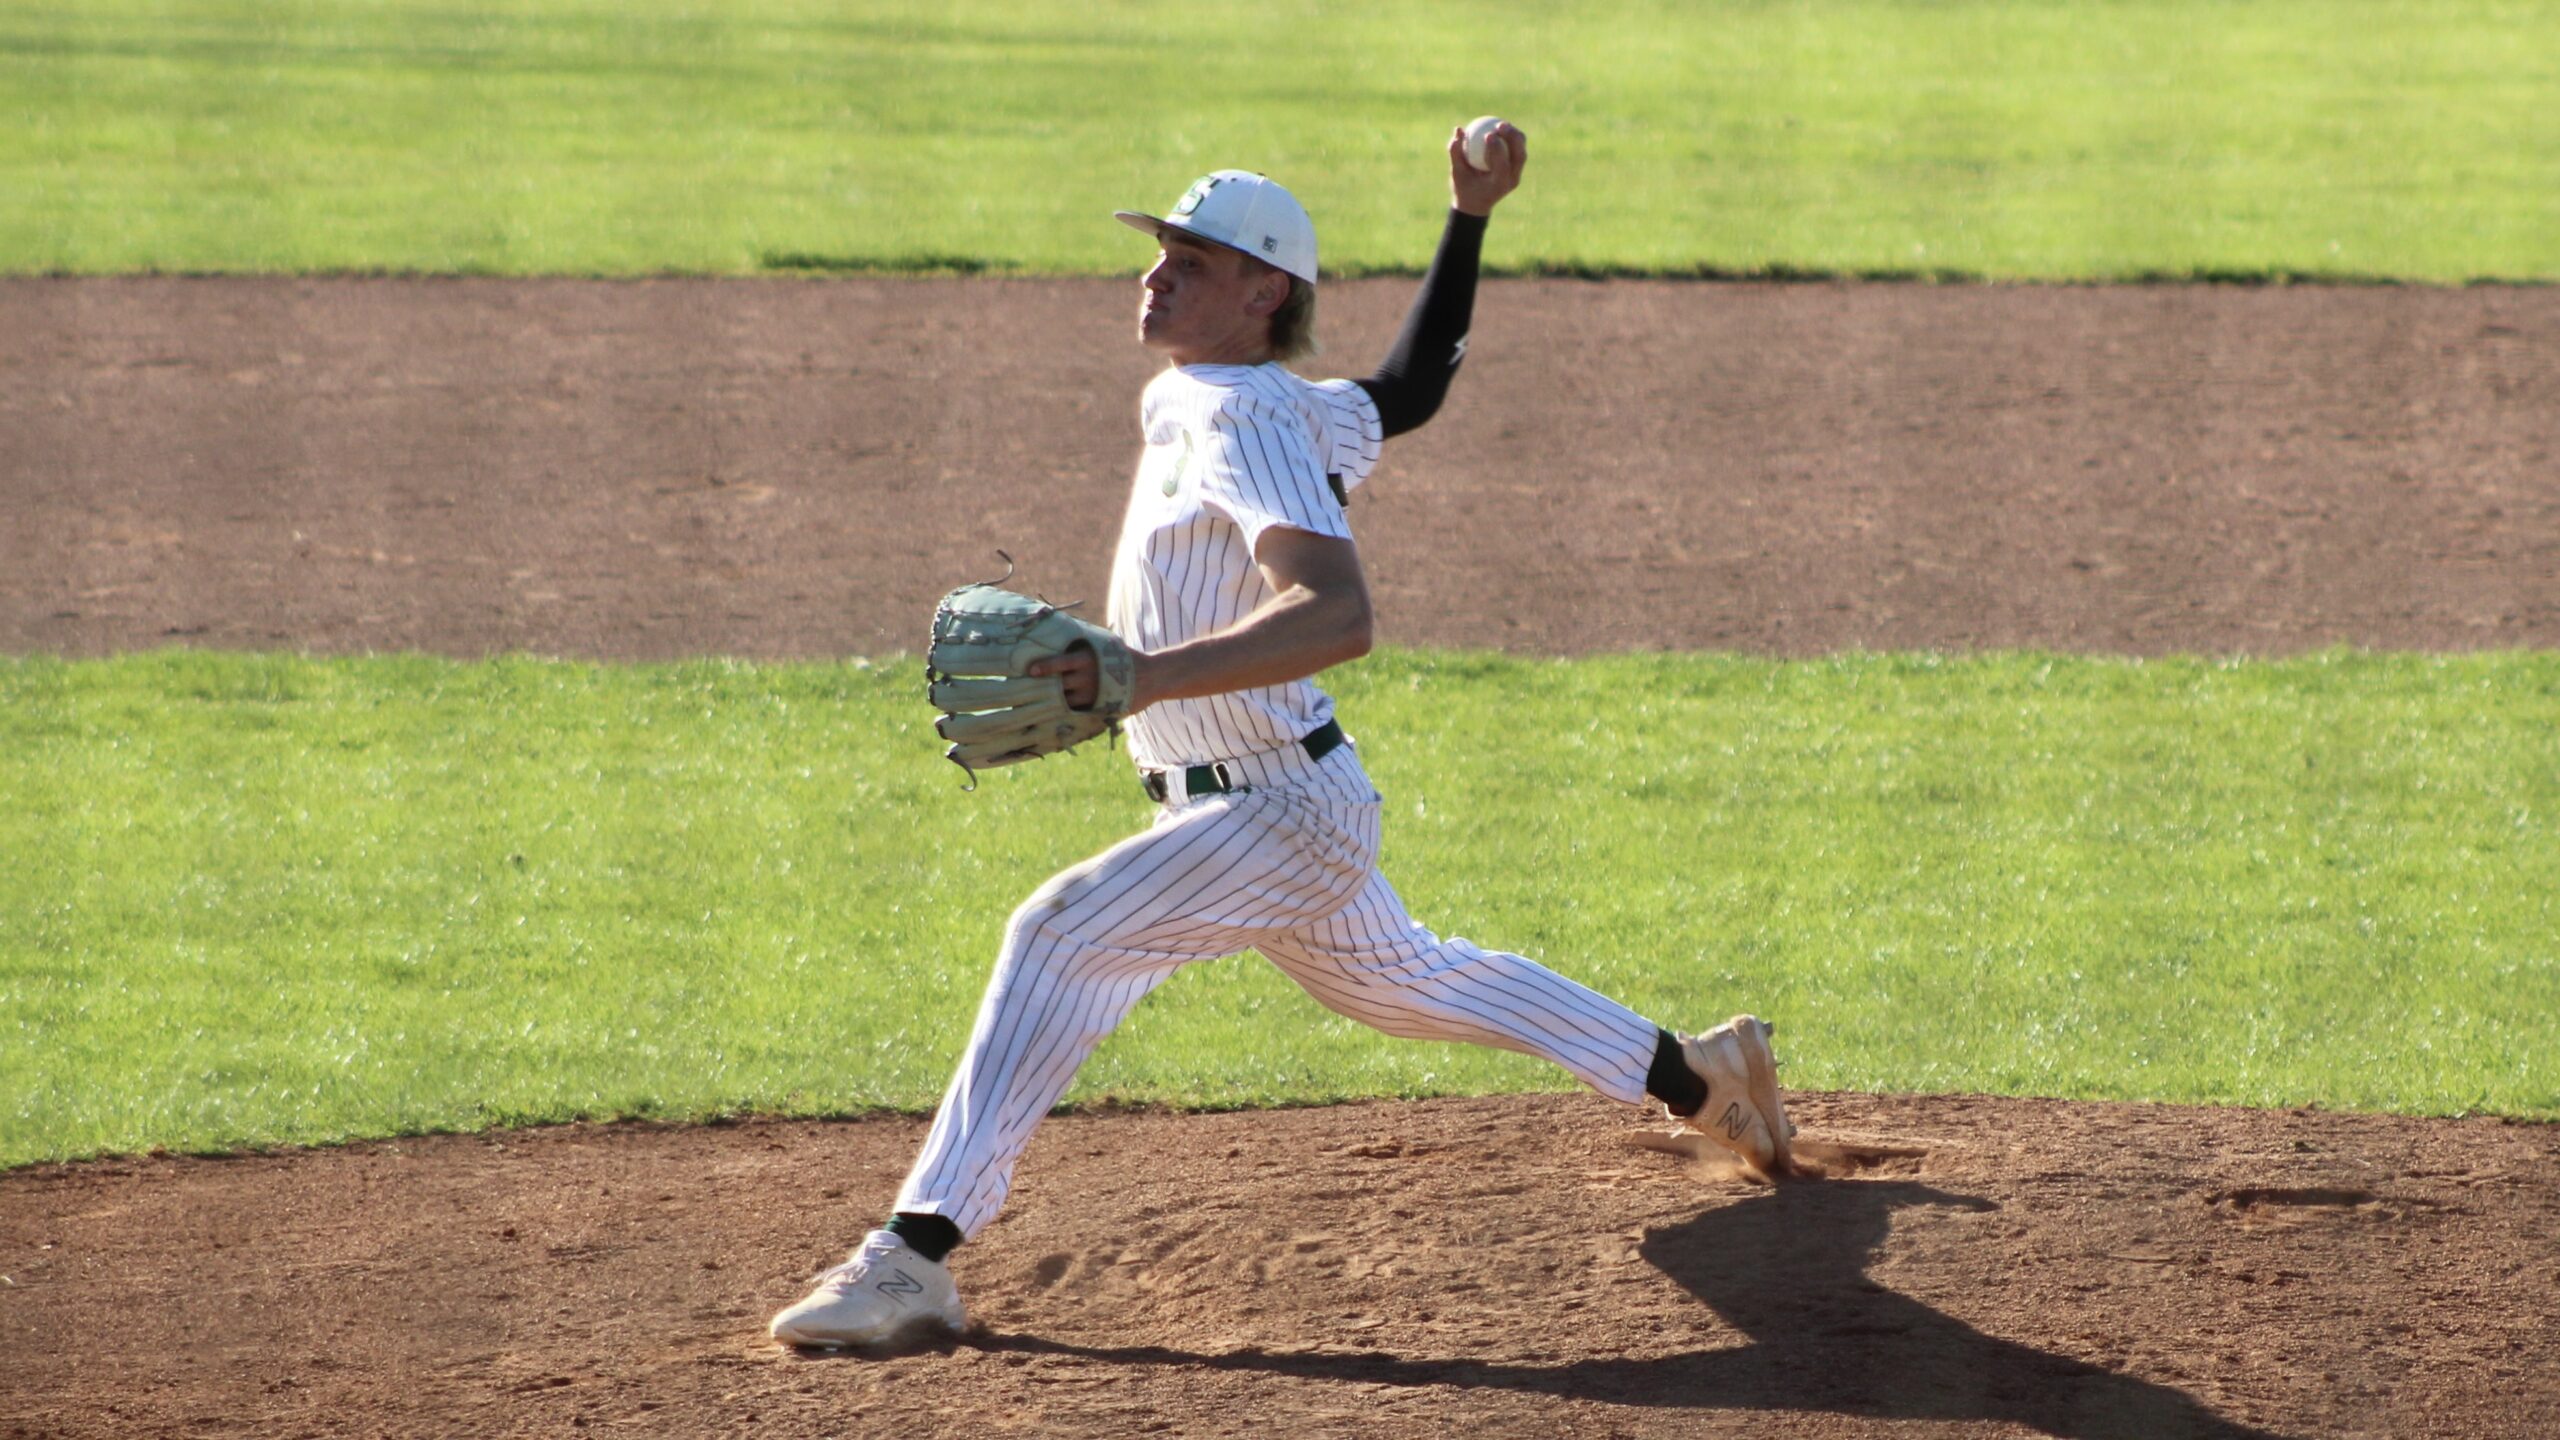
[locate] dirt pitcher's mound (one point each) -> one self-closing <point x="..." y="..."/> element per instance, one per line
<point x="1509" y="1266"/>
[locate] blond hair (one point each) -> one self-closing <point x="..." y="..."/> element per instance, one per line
<point x="1293" y="325"/>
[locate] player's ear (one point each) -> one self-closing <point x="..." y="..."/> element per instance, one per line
<point x="1270" y="292"/>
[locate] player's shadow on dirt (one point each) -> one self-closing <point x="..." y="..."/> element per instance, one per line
<point x="1788" y="1269"/>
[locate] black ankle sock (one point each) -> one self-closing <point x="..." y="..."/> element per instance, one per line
<point x="1671" y="1081"/>
<point x="930" y="1236"/>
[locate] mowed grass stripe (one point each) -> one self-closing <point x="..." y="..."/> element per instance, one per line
<point x="1998" y="138"/>
<point x="264" y="898"/>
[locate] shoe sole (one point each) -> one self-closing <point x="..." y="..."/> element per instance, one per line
<point x="922" y="1328"/>
<point x="1760" y="1065"/>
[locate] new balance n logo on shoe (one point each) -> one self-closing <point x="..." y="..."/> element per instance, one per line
<point x="901" y="1283"/>
<point x="1732" y="1121"/>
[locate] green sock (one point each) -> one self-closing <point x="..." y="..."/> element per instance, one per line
<point x="930" y="1236"/>
<point x="1671" y="1081"/>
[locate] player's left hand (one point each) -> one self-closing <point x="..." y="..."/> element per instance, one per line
<point x="1477" y="191"/>
<point x="1081" y="673"/>
<point x="1077" y="670"/>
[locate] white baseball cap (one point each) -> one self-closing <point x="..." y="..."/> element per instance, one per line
<point x="1242" y="211"/>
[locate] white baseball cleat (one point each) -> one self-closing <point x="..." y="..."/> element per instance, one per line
<point x="884" y="1292"/>
<point x="1743" y="1113"/>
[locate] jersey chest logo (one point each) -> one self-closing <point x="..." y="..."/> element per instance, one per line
<point x="1181" y="466"/>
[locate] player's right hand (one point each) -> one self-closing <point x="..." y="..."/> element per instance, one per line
<point x="1477" y="191"/>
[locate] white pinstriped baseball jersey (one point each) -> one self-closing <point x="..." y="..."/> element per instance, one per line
<point x="1232" y="450"/>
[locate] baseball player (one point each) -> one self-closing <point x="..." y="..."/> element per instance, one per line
<point x="1235" y="581"/>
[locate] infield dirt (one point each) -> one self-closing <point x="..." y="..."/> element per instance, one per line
<point x="796" y="468"/>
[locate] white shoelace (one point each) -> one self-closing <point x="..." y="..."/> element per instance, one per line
<point x="857" y="1269"/>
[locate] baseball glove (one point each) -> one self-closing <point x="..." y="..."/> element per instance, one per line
<point x="984" y="638"/>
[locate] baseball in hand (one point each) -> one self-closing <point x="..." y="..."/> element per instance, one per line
<point x="1481" y="142"/>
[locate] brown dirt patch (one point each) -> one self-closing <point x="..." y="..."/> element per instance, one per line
<point x="655" y="469"/>
<point x="788" y="468"/>
<point x="1500" y="1267"/>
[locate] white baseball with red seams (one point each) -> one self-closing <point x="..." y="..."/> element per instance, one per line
<point x="1480" y="141"/>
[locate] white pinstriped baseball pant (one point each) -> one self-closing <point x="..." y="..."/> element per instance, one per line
<point x="1288" y="867"/>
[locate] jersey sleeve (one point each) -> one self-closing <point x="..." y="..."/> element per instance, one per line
<point x="1356" y="431"/>
<point x="1261" y="468"/>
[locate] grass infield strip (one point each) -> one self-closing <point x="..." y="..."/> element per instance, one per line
<point x="2002" y="139"/>
<point x="264" y="898"/>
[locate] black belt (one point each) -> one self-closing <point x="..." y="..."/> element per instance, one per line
<point x="1217" y="779"/>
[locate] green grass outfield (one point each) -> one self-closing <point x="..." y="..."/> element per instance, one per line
<point x="2001" y="138"/>
<point x="252" y="899"/>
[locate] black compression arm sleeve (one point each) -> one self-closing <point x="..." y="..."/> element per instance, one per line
<point x="1415" y="376"/>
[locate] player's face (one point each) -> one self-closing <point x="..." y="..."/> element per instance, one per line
<point x="1205" y="304"/>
